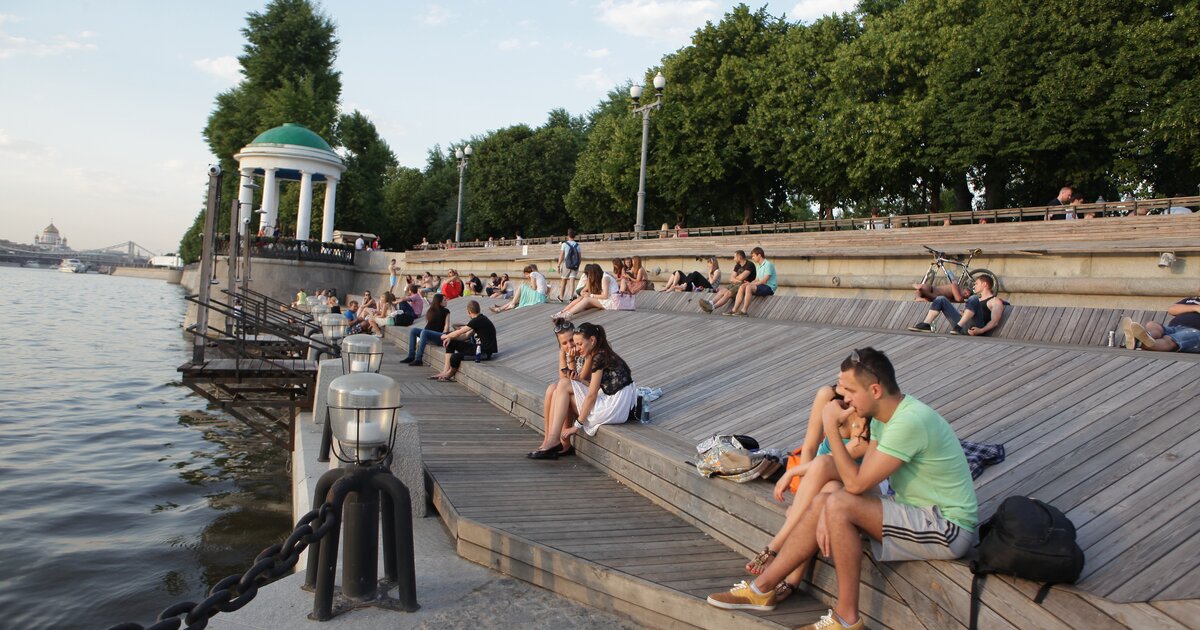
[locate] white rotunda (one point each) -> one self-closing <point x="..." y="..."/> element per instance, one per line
<point x="289" y="152"/>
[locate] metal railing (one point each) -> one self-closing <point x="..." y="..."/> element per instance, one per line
<point x="1001" y="215"/>
<point x="291" y="249"/>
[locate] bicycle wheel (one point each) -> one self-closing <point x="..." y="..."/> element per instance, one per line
<point x="975" y="273"/>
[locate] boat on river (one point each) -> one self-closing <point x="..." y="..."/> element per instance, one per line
<point x="72" y="265"/>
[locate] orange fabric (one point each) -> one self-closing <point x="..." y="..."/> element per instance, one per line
<point x="792" y="462"/>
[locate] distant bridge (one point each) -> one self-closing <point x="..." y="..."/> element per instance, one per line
<point x="127" y="254"/>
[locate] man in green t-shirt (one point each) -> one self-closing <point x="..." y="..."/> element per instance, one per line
<point x="931" y="517"/>
<point x="765" y="282"/>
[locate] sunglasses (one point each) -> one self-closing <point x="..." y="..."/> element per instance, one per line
<point x="857" y="362"/>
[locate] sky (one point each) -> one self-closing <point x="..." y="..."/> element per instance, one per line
<point x="102" y="103"/>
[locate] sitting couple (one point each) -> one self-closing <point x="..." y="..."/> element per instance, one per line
<point x="594" y="387"/>
<point x="932" y="515"/>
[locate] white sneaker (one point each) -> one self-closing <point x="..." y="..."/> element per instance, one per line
<point x="706" y="306"/>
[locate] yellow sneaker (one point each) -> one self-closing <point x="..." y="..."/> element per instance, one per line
<point x="830" y="622"/>
<point x="742" y="597"/>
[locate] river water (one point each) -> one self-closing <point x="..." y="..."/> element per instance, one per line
<point x="120" y="492"/>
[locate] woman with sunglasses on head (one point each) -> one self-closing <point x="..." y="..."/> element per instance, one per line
<point x="605" y="396"/>
<point x="810" y="471"/>
<point x="571" y="367"/>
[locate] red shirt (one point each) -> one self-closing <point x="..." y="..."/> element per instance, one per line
<point x="452" y="289"/>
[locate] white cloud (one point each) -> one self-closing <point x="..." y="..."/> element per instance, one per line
<point x="597" y="80"/>
<point x="225" y="68"/>
<point x="597" y="53"/>
<point x="516" y="44"/>
<point x="435" y="15"/>
<point x="4" y="139"/>
<point x="667" y="20"/>
<point x="13" y="46"/>
<point x="9" y="18"/>
<point x="809" y="10"/>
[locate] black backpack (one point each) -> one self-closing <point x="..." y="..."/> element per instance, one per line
<point x="571" y="260"/>
<point x="1028" y="539"/>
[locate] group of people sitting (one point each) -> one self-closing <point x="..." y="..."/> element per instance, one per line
<point x="476" y="337"/>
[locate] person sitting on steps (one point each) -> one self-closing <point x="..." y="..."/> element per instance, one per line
<point x="743" y="272"/>
<point x="532" y="292"/>
<point x="606" y="398"/>
<point x="477" y="337"/>
<point x="932" y="515"/>
<point x="1182" y="334"/>
<point x="598" y="293"/>
<point x="812" y="473"/>
<point x="572" y="366"/>
<point x="437" y="322"/>
<point x="765" y="282"/>
<point x="982" y="313"/>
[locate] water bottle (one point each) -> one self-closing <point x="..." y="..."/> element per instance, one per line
<point x="1112" y="337"/>
<point x="478" y="351"/>
<point x="644" y="416"/>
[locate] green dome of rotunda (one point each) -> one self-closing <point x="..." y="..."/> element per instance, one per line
<point x="295" y="134"/>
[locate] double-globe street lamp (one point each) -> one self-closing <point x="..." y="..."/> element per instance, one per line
<point x="635" y="92"/>
<point x="463" y="155"/>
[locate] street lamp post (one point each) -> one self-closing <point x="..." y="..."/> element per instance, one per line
<point x="463" y="155"/>
<point x="635" y="92"/>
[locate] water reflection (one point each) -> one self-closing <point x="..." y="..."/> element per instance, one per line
<point x="124" y="492"/>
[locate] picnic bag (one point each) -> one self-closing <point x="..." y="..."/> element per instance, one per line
<point x="1029" y="539"/>
<point x="732" y="457"/>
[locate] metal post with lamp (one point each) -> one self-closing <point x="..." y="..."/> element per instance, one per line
<point x="362" y="413"/>
<point x="360" y="353"/>
<point x="635" y="93"/>
<point x="463" y="155"/>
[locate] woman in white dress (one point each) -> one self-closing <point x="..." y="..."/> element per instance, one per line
<point x="599" y="292"/>
<point x="605" y="396"/>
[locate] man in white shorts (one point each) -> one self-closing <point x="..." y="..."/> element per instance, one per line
<point x="568" y="263"/>
<point x="932" y="516"/>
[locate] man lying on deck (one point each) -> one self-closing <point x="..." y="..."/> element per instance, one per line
<point x="981" y="315"/>
<point x="1182" y="334"/>
<point x="931" y="517"/>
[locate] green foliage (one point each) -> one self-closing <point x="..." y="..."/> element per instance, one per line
<point x="902" y="105"/>
<point x="361" y="191"/>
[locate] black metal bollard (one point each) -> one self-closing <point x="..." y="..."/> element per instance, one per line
<point x="360" y="560"/>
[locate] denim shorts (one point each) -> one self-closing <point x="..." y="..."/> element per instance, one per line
<point x="1188" y="339"/>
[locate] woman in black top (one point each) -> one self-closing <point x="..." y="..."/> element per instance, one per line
<point x="606" y="396"/>
<point x="437" y="321"/>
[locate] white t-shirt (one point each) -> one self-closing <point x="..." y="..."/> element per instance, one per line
<point x="358" y="243"/>
<point x="614" y="287"/>
<point x="539" y="282"/>
<point x="563" y="249"/>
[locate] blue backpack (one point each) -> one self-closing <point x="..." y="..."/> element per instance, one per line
<point x="572" y="258"/>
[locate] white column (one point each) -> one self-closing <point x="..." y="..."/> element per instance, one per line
<point x="327" y="213"/>
<point x="304" y="215"/>
<point x="270" y="203"/>
<point x="245" y="199"/>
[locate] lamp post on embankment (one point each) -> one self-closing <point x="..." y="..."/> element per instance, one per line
<point x="635" y="93"/>
<point x="463" y="155"/>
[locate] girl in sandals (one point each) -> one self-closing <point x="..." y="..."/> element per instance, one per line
<point x="598" y="293"/>
<point x="606" y="397"/>
<point x="572" y="366"/>
<point x="810" y="472"/>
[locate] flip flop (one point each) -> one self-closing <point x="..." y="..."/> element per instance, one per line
<point x="445" y="380"/>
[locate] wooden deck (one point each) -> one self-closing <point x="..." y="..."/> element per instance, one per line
<point x="1106" y="435"/>
<point x="567" y="525"/>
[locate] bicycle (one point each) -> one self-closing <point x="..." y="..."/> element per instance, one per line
<point x="939" y="275"/>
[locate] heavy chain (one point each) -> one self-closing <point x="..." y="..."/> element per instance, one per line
<point x="236" y="591"/>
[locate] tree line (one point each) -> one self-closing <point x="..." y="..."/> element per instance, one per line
<point x="909" y="106"/>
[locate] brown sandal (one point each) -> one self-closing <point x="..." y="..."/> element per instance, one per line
<point x="783" y="590"/>
<point x="755" y="566"/>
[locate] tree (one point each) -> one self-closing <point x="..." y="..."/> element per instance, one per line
<point x="287" y="63"/>
<point x="369" y="160"/>
<point x="603" y="191"/>
<point x="702" y="164"/>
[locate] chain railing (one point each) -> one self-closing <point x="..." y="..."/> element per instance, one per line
<point x="235" y="591"/>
